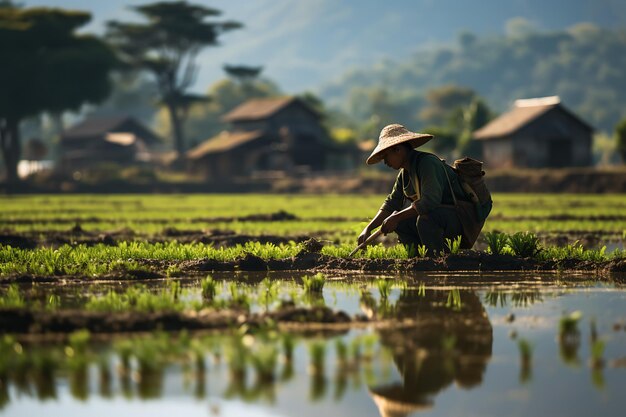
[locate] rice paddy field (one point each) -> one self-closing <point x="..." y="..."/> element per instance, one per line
<point x="336" y="216"/>
<point x="223" y="305"/>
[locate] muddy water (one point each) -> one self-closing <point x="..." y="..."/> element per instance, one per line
<point x="458" y="353"/>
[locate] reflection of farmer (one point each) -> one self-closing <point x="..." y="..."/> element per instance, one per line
<point x="424" y="182"/>
<point x="446" y="345"/>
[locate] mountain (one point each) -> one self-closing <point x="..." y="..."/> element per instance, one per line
<point x="583" y="65"/>
<point x="303" y="45"/>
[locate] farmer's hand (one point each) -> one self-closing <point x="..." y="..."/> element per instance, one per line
<point x="363" y="236"/>
<point x="390" y="224"/>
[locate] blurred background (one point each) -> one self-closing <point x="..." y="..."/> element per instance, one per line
<point x="267" y="95"/>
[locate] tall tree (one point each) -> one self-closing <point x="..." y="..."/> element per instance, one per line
<point x="46" y="66"/>
<point x="167" y="46"/>
<point x="205" y="118"/>
<point x="443" y="101"/>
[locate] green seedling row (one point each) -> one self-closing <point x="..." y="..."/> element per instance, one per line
<point x="126" y="256"/>
<point x="152" y="213"/>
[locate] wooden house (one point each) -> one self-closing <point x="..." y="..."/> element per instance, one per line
<point x="270" y="134"/>
<point x="536" y="133"/>
<point x="122" y="140"/>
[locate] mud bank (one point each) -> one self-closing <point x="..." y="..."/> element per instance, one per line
<point x="311" y="262"/>
<point x="467" y="261"/>
<point x="23" y="321"/>
<point x="77" y="236"/>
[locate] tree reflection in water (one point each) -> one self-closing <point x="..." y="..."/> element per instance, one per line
<point x="450" y="342"/>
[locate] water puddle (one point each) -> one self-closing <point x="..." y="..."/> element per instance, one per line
<point x="514" y="347"/>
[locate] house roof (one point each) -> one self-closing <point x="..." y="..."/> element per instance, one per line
<point x="523" y="112"/>
<point x="99" y="127"/>
<point x="225" y="141"/>
<point x="261" y="108"/>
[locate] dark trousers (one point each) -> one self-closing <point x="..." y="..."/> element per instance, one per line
<point x="430" y="230"/>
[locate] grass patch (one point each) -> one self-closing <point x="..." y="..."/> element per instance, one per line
<point x="314" y="283"/>
<point x="496" y="242"/>
<point x="454" y="245"/>
<point x="524" y="244"/>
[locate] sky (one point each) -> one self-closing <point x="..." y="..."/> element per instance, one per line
<point x="304" y="44"/>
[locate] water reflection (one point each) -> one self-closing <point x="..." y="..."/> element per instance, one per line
<point x="445" y="339"/>
<point x="451" y="342"/>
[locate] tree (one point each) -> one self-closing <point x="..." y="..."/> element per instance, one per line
<point x="133" y="94"/>
<point x="46" y="66"/>
<point x="167" y="46"/>
<point x="443" y="101"/>
<point x="454" y="113"/>
<point x="205" y="118"/>
<point x="475" y="116"/>
<point x="620" y="134"/>
<point x="242" y="73"/>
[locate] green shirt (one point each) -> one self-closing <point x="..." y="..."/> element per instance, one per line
<point x="425" y="185"/>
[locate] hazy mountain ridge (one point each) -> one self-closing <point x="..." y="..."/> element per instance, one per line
<point x="583" y="65"/>
<point x="303" y="45"/>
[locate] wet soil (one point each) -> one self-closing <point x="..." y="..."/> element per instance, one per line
<point x="23" y="321"/>
<point x="311" y="262"/>
<point x="77" y="236"/>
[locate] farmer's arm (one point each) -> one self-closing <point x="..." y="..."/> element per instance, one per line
<point x="376" y="221"/>
<point x="432" y="181"/>
<point x="393" y="202"/>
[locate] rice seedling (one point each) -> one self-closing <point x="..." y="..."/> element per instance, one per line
<point x="524" y="244"/>
<point x="422" y="251"/>
<point x="569" y="338"/>
<point x="174" y="290"/>
<point x="13" y="298"/>
<point x="264" y="361"/>
<point x="314" y="283"/>
<point x="173" y="271"/>
<point x="341" y="350"/>
<point x="368" y="342"/>
<point x="209" y="288"/>
<point x="525" y="298"/>
<point x="54" y="302"/>
<point x="496" y="242"/>
<point x="597" y="354"/>
<point x="78" y="342"/>
<point x="267" y="292"/>
<point x="493" y="298"/>
<point x="124" y="349"/>
<point x="288" y="344"/>
<point x="454" y="245"/>
<point x="568" y="324"/>
<point x="317" y="357"/>
<point x="618" y="254"/>
<point x="318" y="383"/>
<point x="454" y="300"/>
<point x="384" y="287"/>
<point x="526" y="352"/>
<point x="138" y="298"/>
<point x="239" y="296"/>
<point x="421" y="290"/>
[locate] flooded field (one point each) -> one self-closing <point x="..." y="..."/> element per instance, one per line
<point x="422" y="344"/>
<point x="252" y="306"/>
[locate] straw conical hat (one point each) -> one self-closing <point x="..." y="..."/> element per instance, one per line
<point x="394" y="401"/>
<point x="392" y="135"/>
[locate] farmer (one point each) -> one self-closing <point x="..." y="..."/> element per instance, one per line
<point x="420" y="207"/>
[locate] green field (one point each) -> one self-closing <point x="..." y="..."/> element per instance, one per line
<point x="340" y="217"/>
